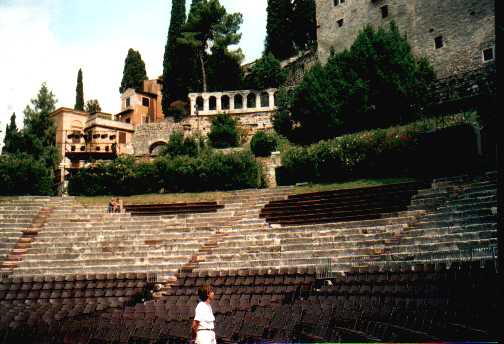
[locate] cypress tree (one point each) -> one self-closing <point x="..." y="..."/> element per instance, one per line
<point x="304" y="24"/>
<point x="12" y="137"/>
<point x="134" y="71"/>
<point x="79" y="98"/>
<point x="172" y="65"/>
<point x="279" y="36"/>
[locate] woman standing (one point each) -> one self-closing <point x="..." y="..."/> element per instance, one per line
<point x="203" y="323"/>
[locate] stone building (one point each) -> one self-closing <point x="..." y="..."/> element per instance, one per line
<point x="458" y="37"/>
<point x="142" y="106"/>
<point x="82" y="137"/>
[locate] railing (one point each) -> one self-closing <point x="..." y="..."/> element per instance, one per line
<point x="326" y="269"/>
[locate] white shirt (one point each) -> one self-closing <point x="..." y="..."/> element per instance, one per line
<point x="204" y="315"/>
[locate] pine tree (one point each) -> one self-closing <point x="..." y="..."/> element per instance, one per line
<point x="209" y="25"/>
<point x="12" y="138"/>
<point x="304" y="24"/>
<point x="39" y="130"/>
<point x="134" y="72"/>
<point x="279" y="29"/>
<point x="173" y="69"/>
<point x="79" y="98"/>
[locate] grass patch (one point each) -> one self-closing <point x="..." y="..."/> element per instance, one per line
<point x="355" y="184"/>
<point x="217" y="195"/>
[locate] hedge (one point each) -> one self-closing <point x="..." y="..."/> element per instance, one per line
<point x="422" y="149"/>
<point x="209" y="171"/>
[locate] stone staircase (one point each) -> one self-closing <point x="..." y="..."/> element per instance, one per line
<point x="22" y="219"/>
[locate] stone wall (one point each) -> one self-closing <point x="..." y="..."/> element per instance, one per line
<point x="151" y="135"/>
<point x="269" y="165"/>
<point x="249" y="123"/>
<point x="296" y="67"/>
<point x="466" y="28"/>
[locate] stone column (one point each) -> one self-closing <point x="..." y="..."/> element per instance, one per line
<point x="218" y="102"/>
<point x="206" y="104"/>
<point x="258" y="100"/>
<point x="192" y="104"/>
<point x="271" y="99"/>
<point x="231" y="102"/>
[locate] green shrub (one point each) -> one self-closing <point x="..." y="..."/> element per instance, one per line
<point x="207" y="172"/>
<point x="422" y="149"/>
<point x="223" y="133"/>
<point x="21" y="174"/>
<point x="262" y="144"/>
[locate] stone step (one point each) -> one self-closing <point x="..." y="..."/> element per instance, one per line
<point x="165" y="269"/>
<point x="456" y="222"/>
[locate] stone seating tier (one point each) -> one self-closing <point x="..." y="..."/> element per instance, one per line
<point x="168" y="209"/>
<point x="341" y="205"/>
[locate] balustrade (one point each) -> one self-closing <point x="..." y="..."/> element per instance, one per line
<point x="234" y="102"/>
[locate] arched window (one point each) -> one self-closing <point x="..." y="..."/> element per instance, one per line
<point x="225" y="102"/>
<point x="265" y="99"/>
<point x="238" y="101"/>
<point x="212" y="103"/>
<point x="251" y="100"/>
<point x="200" y="103"/>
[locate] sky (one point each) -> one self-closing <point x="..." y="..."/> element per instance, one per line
<point x="49" y="40"/>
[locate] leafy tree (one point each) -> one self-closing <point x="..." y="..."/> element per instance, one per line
<point x="134" y="72"/>
<point x="304" y="24"/>
<point x="209" y="25"/>
<point x="279" y="29"/>
<point x="79" y="98"/>
<point x="23" y="174"/>
<point x="223" y="132"/>
<point x="377" y="83"/>
<point x="39" y="130"/>
<point x="13" y="138"/>
<point x="266" y="73"/>
<point x="93" y="106"/>
<point x="173" y="62"/>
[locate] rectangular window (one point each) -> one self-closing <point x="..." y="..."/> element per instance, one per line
<point x="488" y="54"/>
<point x="128" y="102"/>
<point x="338" y="2"/>
<point x="384" y="11"/>
<point x="340" y="22"/>
<point x="145" y="102"/>
<point x="122" y="137"/>
<point x="438" y="41"/>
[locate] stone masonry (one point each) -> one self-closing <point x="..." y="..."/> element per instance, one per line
<point x="458" y="37"/>
<point x="466" y="28"/>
